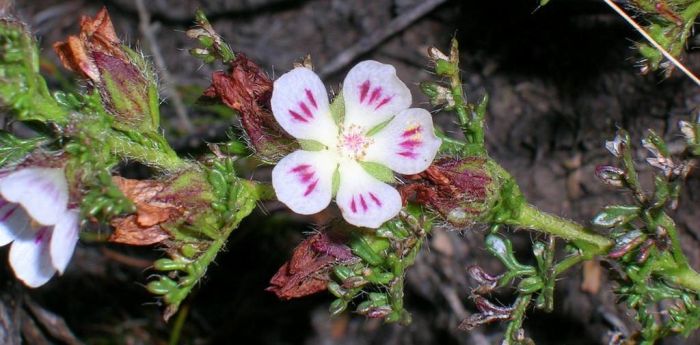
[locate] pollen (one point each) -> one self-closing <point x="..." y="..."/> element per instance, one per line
<point x="353" y="142"/>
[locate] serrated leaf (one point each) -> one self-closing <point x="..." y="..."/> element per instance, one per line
<point x="311" y="145"/>
<point x="616" y="215"/>
<point x="378" y="171"/>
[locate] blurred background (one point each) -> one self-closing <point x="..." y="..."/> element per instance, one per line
<point x="561" y="79"/>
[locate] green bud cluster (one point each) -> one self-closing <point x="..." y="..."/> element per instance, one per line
<point x="195" y="243"/>
<point x="377" y="279"/>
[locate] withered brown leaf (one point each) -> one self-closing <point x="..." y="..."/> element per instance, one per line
<point x="143" y="227"/>
<point x="308" y="271"/>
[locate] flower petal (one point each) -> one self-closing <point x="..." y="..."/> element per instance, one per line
<point x="64" y="239"/>
<point x="303" y="180"/>
<point x="300" y="105"/>
<point x="407" y="144"/>
<point x="373" y="94"/>
<point x="364" y="200"/>
<point x="13" y="221"/>
<point x="30" y="257"/>
<point x="43" y="192"/>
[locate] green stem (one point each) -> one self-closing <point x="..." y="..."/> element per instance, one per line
<point x="162" y="157"/>
<point x="179" y="323"/>
<point x="532" y="218"/>
<point x="685" y="277"/>
<point x="520" y="306"/>
<point x="676" y="271"/>
<point x="567" y="263"/>
<point x="676" y="249"/>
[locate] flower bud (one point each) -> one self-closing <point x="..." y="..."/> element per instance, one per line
<point x="611" y="175"/>
<point x="488" y="313"/>
<point x="460" y="189"/>
<point x="435" y="54"/>
<point x="121" y="76"/>
<point x="487" y="282"/>
<point x="439" y="95"/>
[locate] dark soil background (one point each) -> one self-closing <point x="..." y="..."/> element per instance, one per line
<point x="561" y="79"/>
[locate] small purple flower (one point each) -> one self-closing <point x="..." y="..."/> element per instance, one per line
<point x="35" y="218"/>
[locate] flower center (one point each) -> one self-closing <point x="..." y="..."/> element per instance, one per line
<point x="353" y="142"/>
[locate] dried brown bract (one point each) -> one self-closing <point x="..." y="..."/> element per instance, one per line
<point x="246" y="89"/>
<point x="308" y="271"/>
<point x="461" y="190"/>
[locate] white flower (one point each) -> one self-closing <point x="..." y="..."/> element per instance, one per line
<point x="34" y="216"/>
<point x="378" y="127"/>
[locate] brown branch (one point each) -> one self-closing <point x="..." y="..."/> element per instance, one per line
<point x="370" y="42"/>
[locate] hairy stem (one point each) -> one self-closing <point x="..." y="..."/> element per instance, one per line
<point x="532" y="218"/>
<point x="684" y="276"/>
<point x="162" y="156"/>
<point x="520" y="306"/>
<point x="676" y="270"/>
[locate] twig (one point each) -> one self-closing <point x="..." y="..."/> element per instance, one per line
<point x="370" y="42"/>
<point x="653" y="42"/>
<point x="169" y="87"/>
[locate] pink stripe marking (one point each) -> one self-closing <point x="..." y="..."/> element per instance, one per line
<point x="408" y="154"/>
<point x="8" y="214"/>
<point x="300" y="167"/>
<point x="375" y="94"/>
<point x="375" y="199"/>
<point x="412" y="131"/>
<point x="297" y="116"/>
<point x="364" y="88"/>
<point x="363" y="203"/>
<point x="311" y="98"/>
<point x="353" y="206"/>
<point x="310" y="188"/>
<point x="41" y="235"/>
<point x="383" y="102"/>
<point x="410" y="144"/>
<point x="306" y="110"/>
<point x="306" y="177"/>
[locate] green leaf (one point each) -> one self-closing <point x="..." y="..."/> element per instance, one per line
<point x="311" y="145"/>
<point x="376" y="129"/>
<point x="13" y="149"/>
<point x="378" y="171"/>
<point x="503" y="249"/>
<point x="23" y="90"/>
<point x="335" y="183"/>
<point x="616" y="215"/>
<point x="338" y="109"/>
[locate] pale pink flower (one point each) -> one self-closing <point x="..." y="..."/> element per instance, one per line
<point x="378" y="127"/>
<point x="35" y="218"/>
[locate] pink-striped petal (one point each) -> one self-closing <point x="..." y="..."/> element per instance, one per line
<point x="407" y="144"/>
<point x="303" y="180"/>
<point x="43" y="192"/>
<point x="364" y="200"/>
<point x="300" y="105"/>
<point x="13" y="221"/>
<point x="373" y="94"/>
<point x="30" y="257"/>
<point x="64" y="239"/>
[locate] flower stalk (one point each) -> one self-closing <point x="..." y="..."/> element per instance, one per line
<point x="532" y="218"/>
